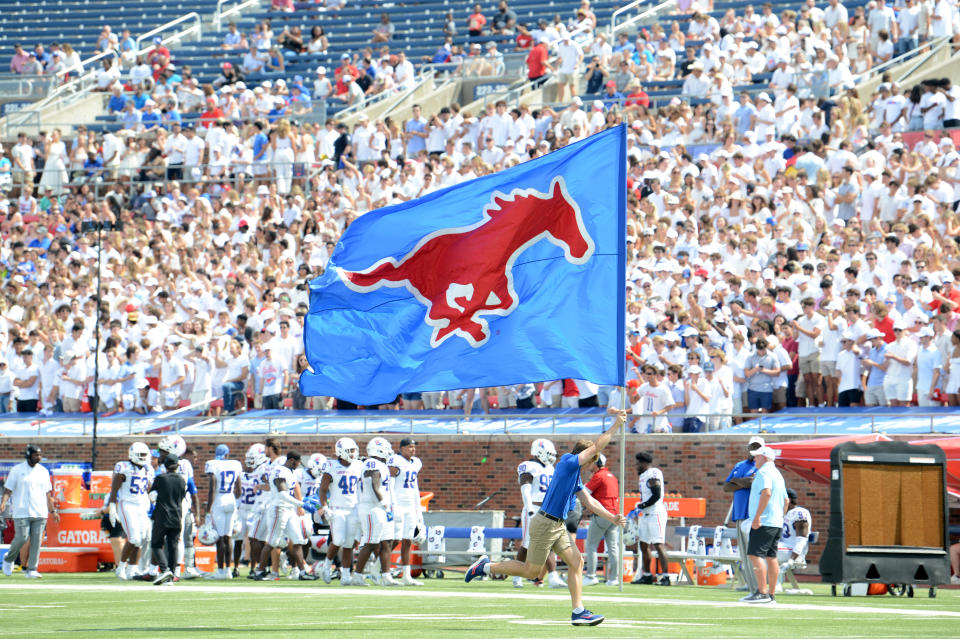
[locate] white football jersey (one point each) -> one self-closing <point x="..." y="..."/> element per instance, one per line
<point x="542" y="475"/>
<point x="284" y="473"/>
<point x="344" y="483"/>
<point x="794" y="515"/>
<point x="136" y="482"/>
<point x="406" y="484"/>
<point x="308" y="485"/>
<point x="646" y="493"/>
<point x="184" y="468"/>
<point x="225" y="472"/>
<point x="367" y="496"/>
<point x="250" y="489"/>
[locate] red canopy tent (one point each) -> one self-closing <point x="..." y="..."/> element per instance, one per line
<point x="951" y="446"/>
<point x="810" y="458"/>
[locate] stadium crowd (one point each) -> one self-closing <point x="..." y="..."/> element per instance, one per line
<point x="784" y="249"/>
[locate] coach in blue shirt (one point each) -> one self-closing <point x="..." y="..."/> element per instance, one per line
<point x="768" y="503"/>
<point x="548" y="532"/>
<point x="738" y="483"/>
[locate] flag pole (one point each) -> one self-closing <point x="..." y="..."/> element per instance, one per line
<point x="623" y="452"/>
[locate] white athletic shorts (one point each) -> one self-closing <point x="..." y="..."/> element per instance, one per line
<point x="258" y="523"/>
<point x="405" y="522"/>
<point x="525" y="518"/>
<point x="283" y="521"/>
<point x="223" y="512"/>
<point x="373" y="525"/>
<point x="652" y="528"/>
<point x="133" y="518"/>
<point x="244" y="514"/>
<point x="344" y="527"/>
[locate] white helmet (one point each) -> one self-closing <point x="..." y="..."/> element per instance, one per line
<point x="173" y="444"/>
<point x="256" y="455"/>
<point x="543" y="450"/>
<point x="630" y="536"/>
<point x="315" y="464"/>
<point x="139" y="453"/>
<point x="379" y="447"/>
<point x="236" y="526"/>
<point x="207" y="534"/>
<point x="347" y="449"/>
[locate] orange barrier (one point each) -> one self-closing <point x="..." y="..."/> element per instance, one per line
<point x="695" y="507"/>
<point x="59" y="559"/>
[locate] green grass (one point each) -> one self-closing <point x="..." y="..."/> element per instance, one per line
<point x="98" y="605"/>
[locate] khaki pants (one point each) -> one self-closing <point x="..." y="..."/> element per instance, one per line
<point x="546" y="535"/>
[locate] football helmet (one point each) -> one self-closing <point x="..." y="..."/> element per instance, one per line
<point x="173" y="444"/>
<point x="256" y="455"/>
<point x="236" y="527"/>
<point x="347" y="449"/>
<point x="315" y="464"/>
<point x="379" y="447"/>
<point x="139" y="453"/>
<point x="543" y="450"/>
<point x="631" y="530"/>
<point x="207" y="535"/>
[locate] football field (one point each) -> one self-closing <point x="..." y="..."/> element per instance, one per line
<point x="98" y="605"/>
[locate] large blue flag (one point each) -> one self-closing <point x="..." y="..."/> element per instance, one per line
<point x="513" y="277"/>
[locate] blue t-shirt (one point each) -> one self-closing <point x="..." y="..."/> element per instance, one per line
<point x="768" y="477"/>
<point x="416" y="144"/>
<point x="741" y="498"/>
<point x="562" y="493"/>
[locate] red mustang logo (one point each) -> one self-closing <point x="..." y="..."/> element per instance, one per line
<point x="461" y="274"/>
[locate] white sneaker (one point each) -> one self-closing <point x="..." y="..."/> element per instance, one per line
<point x="325" y="574"/>
<point x="294" y="574"/>
<point x="556" y="581"/>
<point x="358" y="580"/>
<point x="388" y="580"/>
<point x="32" y="574"/>
<point x="191" y="573"/>
<point x="779" y="588"/>
<point x="410" y="581"/>
<point x="518" y="582"/>
<point x="590" y="581"/>
<point x="7" y="568"/>
<point x="346" y="582"/>
<point x="121" y="573"/>
<point x="955" y="580"/>
<point x="613" y="583"/>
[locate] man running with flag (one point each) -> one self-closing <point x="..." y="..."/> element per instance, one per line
<point x="548" y="532"/>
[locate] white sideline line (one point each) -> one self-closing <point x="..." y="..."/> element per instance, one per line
<point x="466" y="593"/>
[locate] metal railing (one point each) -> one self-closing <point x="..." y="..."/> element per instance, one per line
<point x="645" y="16"/>
<point x="26" y="87"/>
<point x="935" y="47"/>
<point x="877" y="69"/>
<point x="477" y="423"/>
<point x="220" y="13"/>
<point x="179" y="35"/>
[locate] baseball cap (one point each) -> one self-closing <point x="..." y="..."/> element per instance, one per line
<point x="695" y="370"/>
<point x="766" y="451"/>
<point x="407" y="441"/>
<point x="756" y="439"/>
<point x="171" y="461"/>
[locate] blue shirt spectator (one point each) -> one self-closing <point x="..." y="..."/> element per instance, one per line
<point x="116" y="103"/>
<point x="742" y="117"/>
<point x="416" y="143"/>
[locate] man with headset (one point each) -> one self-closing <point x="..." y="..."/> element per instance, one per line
<point x="30" y="492"/>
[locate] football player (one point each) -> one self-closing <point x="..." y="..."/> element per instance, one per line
<point x="309" y="476"/>
<point x="339" y="488"/>
<point x="408" y="512"/>
<point x="284" y="523"/>
<point x="174" y="445"/>
<point x="792" y="551"/>
<point x="261" y="531"/>
<point x="222" y="496"/>
<point x="252" y="500"/>
<point x="375" y="511"/>
<point x="129" y="503"/>
<point x="652" y="520"/>
<point x="534" y="475"/>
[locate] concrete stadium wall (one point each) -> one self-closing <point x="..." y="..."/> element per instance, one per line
<point x="461" y="471"/>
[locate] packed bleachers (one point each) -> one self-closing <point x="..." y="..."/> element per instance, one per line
<point x="761" y="187"/>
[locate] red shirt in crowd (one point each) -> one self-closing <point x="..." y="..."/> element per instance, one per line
<point x="536" y="61"/>
<point x="605" y="488"/>
<point x="885" y="326"/>
<point x="638" y="97"/>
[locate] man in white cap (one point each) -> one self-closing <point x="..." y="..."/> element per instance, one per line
<point x="901" y="355"/>
<point x="322" y="87"/>
<point x="739" y="482"/>
<point x="929" y="368"/>
<point x="766" y="117"/>
<point x="768" y="502"/>
<point x="849" y="369"/>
